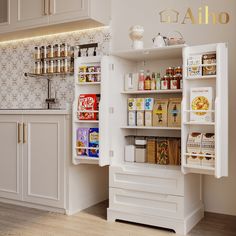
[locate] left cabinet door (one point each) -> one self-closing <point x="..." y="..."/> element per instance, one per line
<point x="28" y="13"/>
<point x="43" y="160"/>
<point x="10" y="156"/>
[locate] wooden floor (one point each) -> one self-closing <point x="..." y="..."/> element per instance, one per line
<point x="22" y="221"/>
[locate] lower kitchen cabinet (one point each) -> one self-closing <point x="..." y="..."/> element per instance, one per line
<point x="32" y="159"/>
<point x="10" y="157"/>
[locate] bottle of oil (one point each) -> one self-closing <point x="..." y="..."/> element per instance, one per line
<point x="147" y="81"/>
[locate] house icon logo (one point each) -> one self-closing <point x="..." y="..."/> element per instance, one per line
<point x="169" y="16"/>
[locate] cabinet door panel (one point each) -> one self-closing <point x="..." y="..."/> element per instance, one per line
<point x="31" y="13"/>
<point x="10" y="157"/>
<point x="65" y="11"/>
<point x="43" y="162"/>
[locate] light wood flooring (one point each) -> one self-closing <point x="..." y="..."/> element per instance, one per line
<point x="15" y="220"/>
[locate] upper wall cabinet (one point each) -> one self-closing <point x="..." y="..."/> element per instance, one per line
<point x="28" y="14"/>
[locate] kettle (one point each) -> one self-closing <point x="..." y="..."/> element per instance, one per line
<point x="159" y="41"/>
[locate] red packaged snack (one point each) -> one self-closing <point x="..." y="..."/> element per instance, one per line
<point x="87" y="102"/>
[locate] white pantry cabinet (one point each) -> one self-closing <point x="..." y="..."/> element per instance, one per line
<point x="32" y="159"/>
<point x="165" y="196"/>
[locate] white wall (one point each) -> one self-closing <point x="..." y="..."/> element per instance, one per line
<point x="219" y="195"/>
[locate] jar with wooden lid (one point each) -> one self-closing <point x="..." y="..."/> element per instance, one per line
<point x="45" y="67"/>
<point x="37" y="68"/>
<point x="58" y="66"/>
<point x="51" y="67"/>
<point x="57" y="50"/>
<point x="43" y="51"/>
<point x="50" y="51"/>
<point x="37" y="53"/>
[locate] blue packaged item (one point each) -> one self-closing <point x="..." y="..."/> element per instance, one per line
<point x="94" y="142"/>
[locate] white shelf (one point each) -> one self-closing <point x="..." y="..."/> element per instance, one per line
<point x="198" y="167"/>
<point x="90" y="73"/>
<point x="168" y="52"/>
<point x="88" y="83"/>
<point x="150" y="128"/>
<point x="204" y="77"/>
<point x="206" y="111"/>
<point x="153" y="91"/>
<point x="87" y="111"/>
<point x="87" y="160"/>
<point x="198" y="123"/>
<point x="202" y="65"/>
<point x="87" y="121"/>
<point x="89" y="148"/>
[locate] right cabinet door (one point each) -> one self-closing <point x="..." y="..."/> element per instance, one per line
<point x="62" y="11"/>
<point x="28" y="13"/>
<point x="43" y="160"/>
<point x="205" y="110"/>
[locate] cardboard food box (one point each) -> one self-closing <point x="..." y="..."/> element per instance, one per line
<point x="87" y="102"/>
<point x="94" y="142"/>
<point x="140" y="118"/>
<point x="209" y="59"/>
<point x="174" y="112"/>
<point x="132" y="104"/>
<point x="151" y="151"/>
<point x="160" y="110"/>
<point x="149" y="102"/>
<point x="174" y="151"/>
<point x="208" y="144"/>
<point x="194" y="142"/>
<point x="194" y="63"/>
<point x="201" y="99"/>
<point x="82" y="141"/>
<point x="140" y="104"/>
<point x="162" y="152"/>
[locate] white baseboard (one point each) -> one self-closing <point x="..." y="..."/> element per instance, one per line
<point x="32" y="205"/>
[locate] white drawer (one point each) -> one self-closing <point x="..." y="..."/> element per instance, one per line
<point x="153" y="180"/>
<point x="153" y="204"/>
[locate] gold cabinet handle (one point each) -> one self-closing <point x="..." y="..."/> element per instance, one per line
<point x="19" y="132"/>
<point x="45" y="2"/>
<point x="24" y="133"/>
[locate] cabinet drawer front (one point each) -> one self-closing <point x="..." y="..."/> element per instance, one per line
<point x="153" y="204"/>
<point x="148" y="180"/>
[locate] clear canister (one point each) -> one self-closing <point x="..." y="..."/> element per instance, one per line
<point x="37" y="54"/>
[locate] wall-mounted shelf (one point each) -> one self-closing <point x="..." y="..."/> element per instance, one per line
<point x="153" y="91"/>
<point x="87" y="121"/>
<point x="88" y="83"/>
<point x="204" y="77"/>
<point x="48" y="75"/>
<point x="198" y="123"/>
<point x="150" y="128"/>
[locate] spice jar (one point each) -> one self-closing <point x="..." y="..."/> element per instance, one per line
<point x="50" y="51"/>
<point x="58" y="66"/>
<point x="66" y="65"/>
<point x="43" y="51"/>
<point x="57" y="50"/>
<point x="64" y="50"/>
<point x="45" y="67"/>
<point x="62" y="66"/>
<point x="37" y="68"/>
<point x="72" y="65"/>
<point x="51" y="66"/>
<point x="165" y="82"/>
<point x="37" y="54"/>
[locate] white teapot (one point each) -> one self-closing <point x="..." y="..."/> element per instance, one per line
<point x="159" y="41"/>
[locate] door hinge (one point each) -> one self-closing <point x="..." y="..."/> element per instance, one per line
<point x="112" y="67"/>
<point x="111" y="110"/>
<point x="111" y="153"/>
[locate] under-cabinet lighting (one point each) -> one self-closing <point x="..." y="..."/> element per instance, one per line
<point x="56" y="34"/>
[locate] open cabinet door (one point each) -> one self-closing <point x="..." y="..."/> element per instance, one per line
<point x="205" y="89"/>
<point x="104" y="114"/>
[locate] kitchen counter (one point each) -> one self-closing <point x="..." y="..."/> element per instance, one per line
<point x="34" y="112"/>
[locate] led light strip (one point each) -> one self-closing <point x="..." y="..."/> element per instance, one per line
<point x="50" y="35"/>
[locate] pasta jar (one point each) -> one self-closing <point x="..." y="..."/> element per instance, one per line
<point x="37" y="54"/>
<point x="62" y="66"/>
<point x="50" y="51"/>
<point x="57" y="50"/>
<point x="66" y="65"/>
<point x="51" y="66"/>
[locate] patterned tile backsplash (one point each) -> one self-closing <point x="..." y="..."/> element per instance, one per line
<point x="16" y="58"/>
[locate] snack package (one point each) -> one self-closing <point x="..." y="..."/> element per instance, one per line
<point x="132" y="112"/>
<point x="94" y="142"/>
<point x="82" y="76"/>
<point x="87" y="102"/>
<point x="140" y="104"/>
<point x="194" y="62"/>
<point x="162" y="152"/>
<point x="82" y="141"/>
<point x="174" y="112"/>
<point x="201" y="99"/>
<point x="132" y="104"/>
<point x="194" y="147"/>
<point x="160" y="109"/>
<point x="209" y="59"/>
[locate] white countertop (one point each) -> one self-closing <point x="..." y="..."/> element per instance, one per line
<point x="34" y="112"/>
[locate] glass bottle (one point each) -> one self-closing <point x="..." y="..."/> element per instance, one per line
<point x="141" y="80"/>
<point x="153" y="82"/>
<point x="147" y="82"/>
